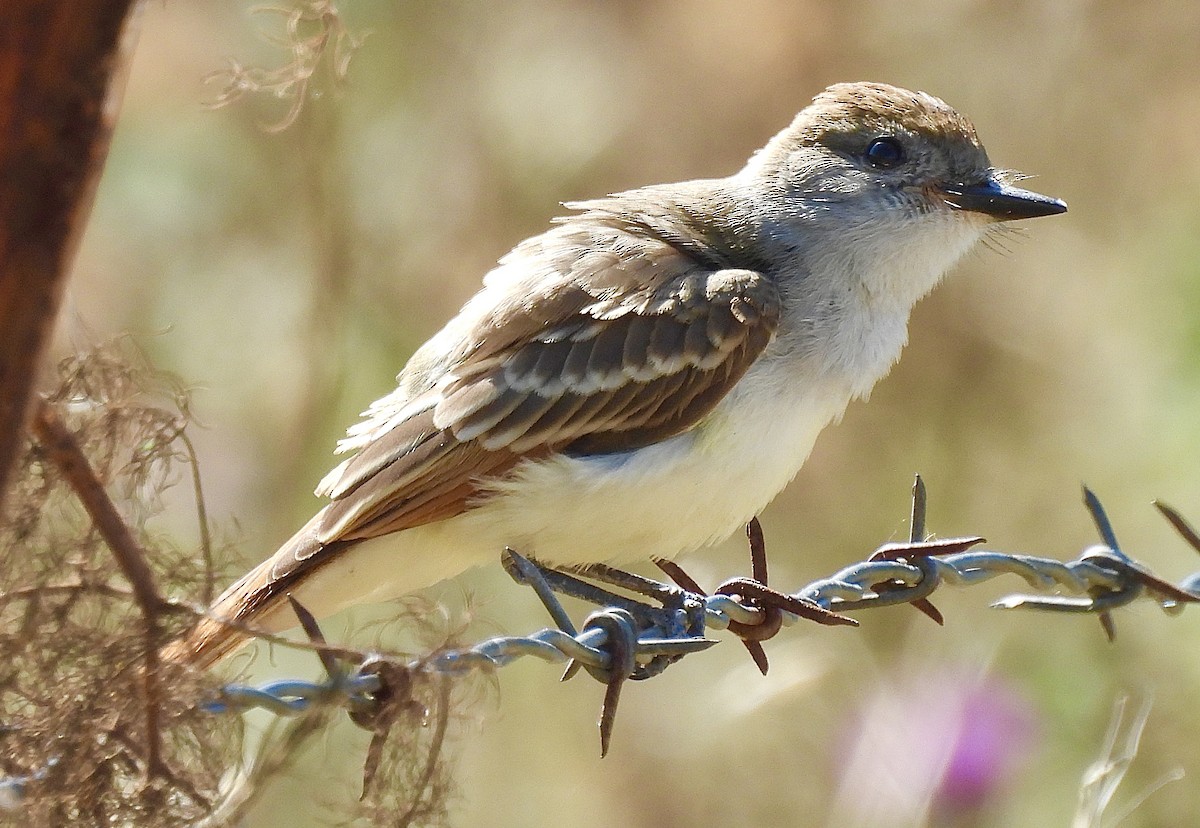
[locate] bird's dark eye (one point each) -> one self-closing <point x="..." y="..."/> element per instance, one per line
<point x="884" y="153"/>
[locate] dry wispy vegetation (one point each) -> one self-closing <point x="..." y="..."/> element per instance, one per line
<point x="87" y="738"/>
<point x="72" y="698"/>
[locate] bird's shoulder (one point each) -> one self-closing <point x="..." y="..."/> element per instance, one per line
<point x="656" y="251"/>
<point x="602" y="334"/>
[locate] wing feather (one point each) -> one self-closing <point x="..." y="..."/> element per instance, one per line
<point x="623" y="341"/>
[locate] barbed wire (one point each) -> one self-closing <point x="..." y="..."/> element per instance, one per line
<point x="636" y="638"/>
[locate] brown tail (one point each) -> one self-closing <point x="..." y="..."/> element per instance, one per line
<point x="231" y="619"/>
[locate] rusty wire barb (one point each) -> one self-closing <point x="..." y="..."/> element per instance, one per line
<point x="637" y="638"/>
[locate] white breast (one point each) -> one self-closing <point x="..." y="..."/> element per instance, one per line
<point x="687" y="492"/>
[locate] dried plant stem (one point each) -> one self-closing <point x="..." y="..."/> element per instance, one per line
<point x="202" y="516"/>
<point x="436" y="743"/>
<point x="47" y="590"/>
<point x="64" y="452"/>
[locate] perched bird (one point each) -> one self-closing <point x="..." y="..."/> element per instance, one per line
<point x="644" y="377"/>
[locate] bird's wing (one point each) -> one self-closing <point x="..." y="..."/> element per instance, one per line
<point x="602" y="340"/>
<point x="623" y="341"/>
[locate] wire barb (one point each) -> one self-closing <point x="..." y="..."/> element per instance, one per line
<point x="637" y="638"/>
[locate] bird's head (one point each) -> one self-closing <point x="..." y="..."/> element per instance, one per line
<point x="885" y="147"/>
<point x="896" y="180"/>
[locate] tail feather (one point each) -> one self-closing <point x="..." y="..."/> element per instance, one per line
<point x="254" y="603"/>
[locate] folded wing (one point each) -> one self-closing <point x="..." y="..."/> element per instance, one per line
<point x="643" y="342"/>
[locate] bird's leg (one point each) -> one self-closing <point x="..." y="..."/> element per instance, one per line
<point x="668" y="594"/>
<point x="568" y="583"/>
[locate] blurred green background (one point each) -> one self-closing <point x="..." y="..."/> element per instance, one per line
<point x="287" y="275"/>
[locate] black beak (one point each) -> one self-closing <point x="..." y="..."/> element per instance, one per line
<point x="1000" y="201"/>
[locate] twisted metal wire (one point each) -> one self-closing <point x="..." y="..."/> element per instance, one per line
<point x="1101" y="579"/>
<point x="632" y="638"/>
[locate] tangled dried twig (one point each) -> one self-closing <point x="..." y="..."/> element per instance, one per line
<point x="99" y="730"/>
<point x="95" y="728"/>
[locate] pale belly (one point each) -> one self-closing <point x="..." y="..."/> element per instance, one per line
<point x="685" y="493"/>
<point x="688" y="492"/>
